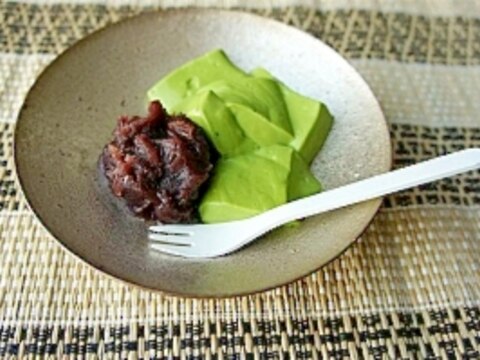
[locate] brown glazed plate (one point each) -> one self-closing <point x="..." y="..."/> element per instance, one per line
<point x="71" y="110"/>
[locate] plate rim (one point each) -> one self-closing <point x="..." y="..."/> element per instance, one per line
<point x="376" y="203"/>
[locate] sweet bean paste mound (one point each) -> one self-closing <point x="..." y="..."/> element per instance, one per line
<point x="158" y="164"/>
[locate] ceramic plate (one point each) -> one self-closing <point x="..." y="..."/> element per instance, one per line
<point x="72" y="109"/>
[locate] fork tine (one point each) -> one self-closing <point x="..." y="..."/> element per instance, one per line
<point x="170" y="239"/>
<point x="172" y="229"/>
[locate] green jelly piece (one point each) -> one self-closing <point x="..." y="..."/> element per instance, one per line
<point x="249" y="184"/>
<point x="310" y="119"/>
<point x="263" y="96"/>
<point x="258" y="128"/>
<point x="209" y="112"/>
<point x="301" y="181"/>
<point x="243" y="186"/>
<point x="188" y="78"/>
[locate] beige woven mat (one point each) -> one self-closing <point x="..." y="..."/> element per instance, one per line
<point x="409" y="288"/>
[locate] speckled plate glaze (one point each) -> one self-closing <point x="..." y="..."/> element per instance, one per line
<point x="71" y="110"/>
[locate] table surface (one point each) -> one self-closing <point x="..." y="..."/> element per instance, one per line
<point x="409" y="288"/>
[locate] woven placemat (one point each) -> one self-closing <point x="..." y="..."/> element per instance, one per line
<point x="409" y="288"/>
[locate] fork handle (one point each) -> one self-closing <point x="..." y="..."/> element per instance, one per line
<point x="376" y="186"/>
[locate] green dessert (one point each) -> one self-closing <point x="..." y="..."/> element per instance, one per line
<point x="266" y="134"/>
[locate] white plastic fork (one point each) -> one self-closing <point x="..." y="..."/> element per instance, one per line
<point x="212" y="240"/>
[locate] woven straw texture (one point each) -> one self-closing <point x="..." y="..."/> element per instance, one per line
<point x="409" y="288"/>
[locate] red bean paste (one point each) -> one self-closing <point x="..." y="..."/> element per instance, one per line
<point x="158" y="164"/>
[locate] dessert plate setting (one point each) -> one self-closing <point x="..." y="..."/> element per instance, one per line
<point x="71" y="110"/>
